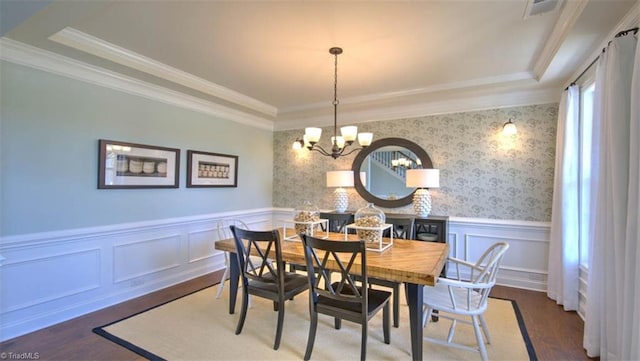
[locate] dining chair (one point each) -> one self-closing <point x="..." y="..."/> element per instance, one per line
<point x="337" y="221"/>
<point x="344" y="298"/>
<point x="465" y="295"/>
<point x="402" y="228"/>
<point x="266" y="278"/>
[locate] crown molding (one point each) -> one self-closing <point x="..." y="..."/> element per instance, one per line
<point x="384" y="97"/>
<point x="630" y="20"/>
<point x="90" y="44"/>
<point x="568" y="16"/>
<point x="26" y="55"/>
<point x="471" y="102"/>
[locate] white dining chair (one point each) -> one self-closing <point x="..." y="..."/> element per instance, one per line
<point x="465" y="295"/>
<point x="224" y="232"/>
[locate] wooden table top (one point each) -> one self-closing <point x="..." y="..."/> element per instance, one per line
<point x="406" y="261"/>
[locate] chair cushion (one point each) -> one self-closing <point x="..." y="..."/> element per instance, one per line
<point x="292" y="281"/>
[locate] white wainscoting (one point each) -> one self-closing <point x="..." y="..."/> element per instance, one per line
<point x="51" y="277"/>
<point x="47" y="278"/>
<point x="525" y="263"/>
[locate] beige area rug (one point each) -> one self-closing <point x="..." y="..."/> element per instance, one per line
<point x="199" y="327"/>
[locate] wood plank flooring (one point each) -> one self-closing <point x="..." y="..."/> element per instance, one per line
<point x="555" y="334"/>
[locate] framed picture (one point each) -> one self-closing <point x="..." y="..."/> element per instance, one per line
<point x="211" y="169"/>
<point x="128" y="165"/>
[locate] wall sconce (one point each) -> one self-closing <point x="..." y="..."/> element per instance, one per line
<point x="422" y="179"/>
<point x="340" y="179"/>
<point x="509" y="128"/>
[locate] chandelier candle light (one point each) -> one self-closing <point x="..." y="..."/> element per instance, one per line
<point x="340" y="179"/>
<point x="348" y="134"/>
<point x="422" y="179"/>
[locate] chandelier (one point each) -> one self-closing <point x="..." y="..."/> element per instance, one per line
<point x="348" y="134"/>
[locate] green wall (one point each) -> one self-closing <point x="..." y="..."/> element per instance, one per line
<point x="50" y="126"/>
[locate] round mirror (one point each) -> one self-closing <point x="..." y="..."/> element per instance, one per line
<point x="384" y="164"/>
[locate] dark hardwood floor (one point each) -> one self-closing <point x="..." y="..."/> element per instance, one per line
<point x="555" y="334"/>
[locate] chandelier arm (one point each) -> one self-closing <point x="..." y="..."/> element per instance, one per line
<point x="320" y="150"/>
<point x="351" y="151"/>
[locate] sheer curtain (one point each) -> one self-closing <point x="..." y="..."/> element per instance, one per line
<point x="564" y="253"/>
<point x="612" y="327"/>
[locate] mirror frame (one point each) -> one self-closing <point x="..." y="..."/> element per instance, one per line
<point x="357" y="164"/>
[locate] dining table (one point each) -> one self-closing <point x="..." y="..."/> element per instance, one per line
<point x="415" y="263"/>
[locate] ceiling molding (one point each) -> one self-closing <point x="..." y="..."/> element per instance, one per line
<point x="26" y="55"/>
<point x="90" y="44"/>
<point x="630" y="20"/>
<point x="381" y="97"/>
<point x="570" y="13"/>
<point x="471" y="102"/>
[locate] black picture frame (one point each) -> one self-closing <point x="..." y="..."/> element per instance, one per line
<point x="124" y="165"/>
<point x="205" y="169"/>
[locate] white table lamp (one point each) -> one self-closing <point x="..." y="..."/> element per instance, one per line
<point x="422" y="179"/>
<point x="340" y="179"/>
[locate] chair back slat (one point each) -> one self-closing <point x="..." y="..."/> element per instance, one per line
<point x="222" y="227"/>
<point x="327" y="257"/>
<point x="402" y="227"/>
<point x="260" y="245"/>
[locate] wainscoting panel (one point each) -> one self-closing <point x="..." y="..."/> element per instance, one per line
<point x="51" y="277"/>
<point x="140" y="258"/>
<point x="200" y="245"/>
<point x="525" y="263"/>
<point x="30" y="282"/>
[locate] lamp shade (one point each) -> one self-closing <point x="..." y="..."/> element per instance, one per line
<point x="340" y="178"/>
<point x="509" y="128"/>
<point x="423" y="178"/>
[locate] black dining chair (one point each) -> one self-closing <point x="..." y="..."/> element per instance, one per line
<point x="337" y="221"/>
<point x="266" y="279"/>
<point x="402" y="228"/>
<point x="345" y="298"/>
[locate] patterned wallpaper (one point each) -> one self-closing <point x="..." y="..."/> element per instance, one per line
<point x="483" y="174"/>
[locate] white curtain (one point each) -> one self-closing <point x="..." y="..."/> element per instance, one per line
<point x="612" y="326"/>
<point x="564" y="252"/>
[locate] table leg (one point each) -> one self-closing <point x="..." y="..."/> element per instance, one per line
<point x="414" y="293"/>
<point x="234" y="276"/>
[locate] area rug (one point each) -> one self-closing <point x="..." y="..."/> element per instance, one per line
<point x="199" y="327"/>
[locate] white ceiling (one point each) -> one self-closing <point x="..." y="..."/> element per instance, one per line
<point x="270" y="59"/>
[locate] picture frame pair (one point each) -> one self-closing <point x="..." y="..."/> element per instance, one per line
<point x="124" y="165"/>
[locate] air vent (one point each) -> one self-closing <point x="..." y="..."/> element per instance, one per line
<point x="539" y="7"/>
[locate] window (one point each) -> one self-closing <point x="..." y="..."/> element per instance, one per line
<point x="584" y="167"/>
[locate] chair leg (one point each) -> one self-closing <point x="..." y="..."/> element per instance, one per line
<point x="385" y="324"/>
<point x="396" y="305"/>
<point x="243" y="312"/>
<point x="276" y="344"/>
<point x="363" y="342"/>
<point x="483" y="323"/>
<point x="225" y="275"/>
<point x="337" y="323"/>
<point x="478" y="332"/>
<point x="313" y="326"/>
